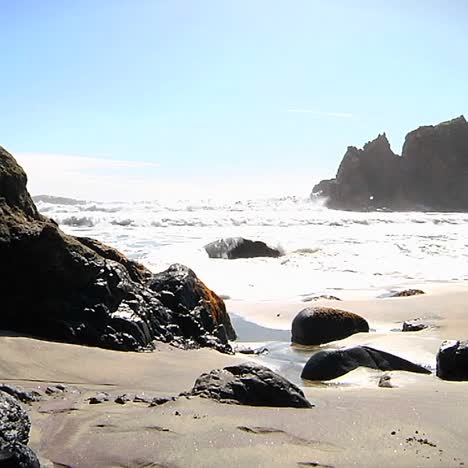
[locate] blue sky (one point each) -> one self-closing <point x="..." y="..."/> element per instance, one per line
<point x="243" y="97"/>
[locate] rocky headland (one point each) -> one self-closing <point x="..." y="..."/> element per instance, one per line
<point x="430" y="175"/>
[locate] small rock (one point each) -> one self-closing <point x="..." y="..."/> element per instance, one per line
<point x="52" y="389"/>
<point x="325" y="297"/>
<point x="157" y="401"/>
<point x="413" y="325"/>
<point x="98" y="398"/>
<point x="141" y="398"/>
<point x="385" y="381"/>
<point x="407" y="293"/>
<point x="122" y="399"/>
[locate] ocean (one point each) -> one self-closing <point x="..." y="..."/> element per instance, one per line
<point x="346" y="254"/>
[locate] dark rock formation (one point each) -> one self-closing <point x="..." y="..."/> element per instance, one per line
<point x="408" y="293"/>
<point x="431" y="174"/>
<point x="238" y="247"/>
<point x="452" y="360"/>
<point x="77" y="290"/>
<point x="181" y="290"/>
<point x="14" y="435"/>
<point x="330" y="364"/>
<point x="317" y="325"/>
<point x="413" y="325"/>
<point x="249" y="384"/>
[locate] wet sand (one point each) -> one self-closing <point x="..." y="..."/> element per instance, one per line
<point x="422" y="421"/>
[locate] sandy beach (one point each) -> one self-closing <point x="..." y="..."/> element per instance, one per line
<point x="422" y="421"/>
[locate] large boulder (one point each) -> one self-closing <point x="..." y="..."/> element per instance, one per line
<point x="317" y="325"/>
<point x="77" y="290"/>
<point x="238" y="247"/>
<point x="14" y="435"/>
<point x="452" y="360"/>
<point x="330" y="364"/>
<point x="180" y="289"/>
<point x="431" y="174"/>
<point x="249" y="384"/>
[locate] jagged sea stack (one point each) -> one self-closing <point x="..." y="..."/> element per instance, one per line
<point x="431" y="174"/>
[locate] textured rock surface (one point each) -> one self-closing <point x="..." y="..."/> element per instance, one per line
<point x="330" y="364"/>
<point x="452" y="360"/>
<point x="78" y="290"/>
<point x="14" y="435"/>
<point x="317" y="325"/>
<point x="249" y="384"/>
<point x="238" y="247"/>
<point x="431" y="174"/>
<point x="180" y="289"/>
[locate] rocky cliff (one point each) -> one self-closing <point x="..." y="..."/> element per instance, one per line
<point x="61" y="287"/>
<point x="431" y="173"/>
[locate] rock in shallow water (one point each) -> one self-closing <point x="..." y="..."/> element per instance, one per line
<point x="317" y="325"/>
<point x="249" y="384"/>
<point x="238" y="247"/>
<point x="330" y="364"/>
<point x="408" y="293"/>
<point x="452" y="360"/>
<point x="413" y="325"/>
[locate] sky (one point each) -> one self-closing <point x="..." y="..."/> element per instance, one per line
<point x="144" y="99"/>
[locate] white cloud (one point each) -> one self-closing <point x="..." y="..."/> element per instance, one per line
<point x="316" y="113"/>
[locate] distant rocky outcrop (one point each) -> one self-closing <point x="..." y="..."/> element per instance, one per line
<point x="78" y="290"/>
<point x="249" y="384"/>
<point x="238" y="247"/>
<point x="431" y="174"/>
<point x="330" y="364"/>
<point x="57" y="200"/>
<point x="317" y="325"/>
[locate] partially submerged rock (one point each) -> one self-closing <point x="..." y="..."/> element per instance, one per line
<point x="238" y="247"/>
<point x="317" y="325"/>
<point x="452" y="360"/>
<point x="408" y="293"/>
<point x="249" y="384"/>
<point x="330" y="364"/>
<point x="414" y="325"/>
<point x="322" y="297"/>
<point x="14" y="435"/>
<point x="78" y="290"/>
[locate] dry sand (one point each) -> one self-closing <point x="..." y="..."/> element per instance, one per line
<point x="423" y="421"/>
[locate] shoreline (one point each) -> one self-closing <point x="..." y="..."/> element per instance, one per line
<point x="353" y="422"/>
